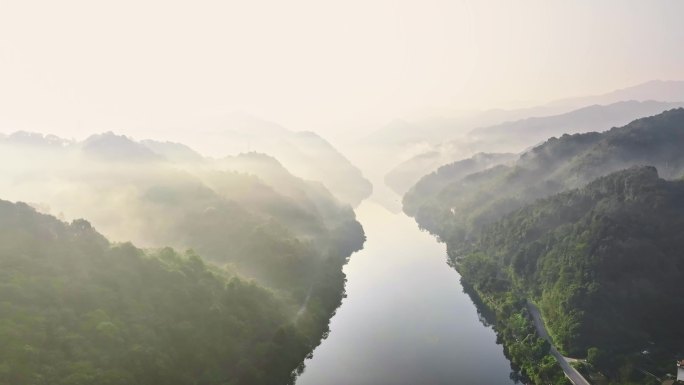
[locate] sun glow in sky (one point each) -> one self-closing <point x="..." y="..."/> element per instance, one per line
<point x="76" y="67"/>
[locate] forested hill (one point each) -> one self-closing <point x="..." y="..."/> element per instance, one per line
<point x="434" y="182"/>
<point x="246" y="214"/>
<point x="305" y="153"/>
<point x="457" y="211"/>
<point x="247" y="210"/>
<point x="604" y="261"/>
<point x="77" y="310"/>
<point x="403" y="177"/>
<point x="584" y="226"/>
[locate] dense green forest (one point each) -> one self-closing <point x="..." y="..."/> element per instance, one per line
<point x="598" y="249"/>
<point x="528" y="354"/>
<point x="283" y="241"/>
<point x="434" y="182"/>
<point x="603" y="262"/>
<point x="458" y="211"/>
<point x="513" y="132"/>
<point x="246" y="211"/>
<point x="76" y="309"/>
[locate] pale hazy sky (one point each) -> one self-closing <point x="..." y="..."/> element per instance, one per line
<point x="75" y="67"/>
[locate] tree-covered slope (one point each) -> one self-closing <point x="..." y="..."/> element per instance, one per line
<point x="433" y="183"/>
<point x="447" y="166"/>
<point x="517" y="135"/>
<point x="461" y="208"/>
<point x="75" y="309"/>
<point x="245" y="213"/>
<point x="599" y="249"/>
<point x="304" y="153"/>
<point x="247" y="210"/>
<point x="605" y="262"/>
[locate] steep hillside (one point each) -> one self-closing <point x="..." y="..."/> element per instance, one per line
<point x="247" y="213"/>
<point x="603" y="261"/>
<point x="519" y="135"/>
<point x="112" y="147"/>
<point x="219" y="208"/>
<point x="305" y="154"/>
<point x="175" y="152"/>
<point x="76" y="309"/>
<point x="311" y="157"/>
<point x="432" y="183"/>
<point x="595" y="247"/>
<point x="464" y="206"/>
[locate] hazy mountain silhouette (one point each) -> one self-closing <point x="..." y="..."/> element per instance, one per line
<point x="305" y="154"/>
<point x="570" y="161"/>
<point x="112" y="147"/>
<point x="519" y="135"/>
<point x="437" y="130"/>
<point x="660" y="90"/>
<point x="175" y="152"/>
<point x="405" y="176"/>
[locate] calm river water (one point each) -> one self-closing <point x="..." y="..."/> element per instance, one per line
<point x="406" y="319"/>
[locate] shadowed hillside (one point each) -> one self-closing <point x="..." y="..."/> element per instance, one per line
<point x="246" y="215"/>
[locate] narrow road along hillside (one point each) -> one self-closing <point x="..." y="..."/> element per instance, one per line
<point x="570" y="372"/>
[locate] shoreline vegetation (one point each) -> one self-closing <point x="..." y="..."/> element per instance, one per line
<point x="247" y="302"/>
<point x="529" y="355"/>
<point x="583" y="228"/>
<point x="78" y="309"/>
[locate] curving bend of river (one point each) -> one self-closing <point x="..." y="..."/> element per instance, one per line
<point x="406" y="319"/>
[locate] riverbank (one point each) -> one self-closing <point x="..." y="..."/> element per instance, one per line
<point x="530" y="356"/>
<point x="575" y="377"/>
<point x="406" y="319"/>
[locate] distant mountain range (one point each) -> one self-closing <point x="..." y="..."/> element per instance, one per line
<point x="403" y="177"/>
<point x="558" y="164"/>
<point x="433" y="183"/>
<point x="438" y="130"/>
<point x="265" y="256"/>
<point x="51" y="171"/>
<point x="602" y="261"/>
<point x="305" y="154"/>
<point x="660" y="90"/>
<point x="518" y="135"/>
<point x="587" y="226"/>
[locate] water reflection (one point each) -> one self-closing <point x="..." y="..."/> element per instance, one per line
<point x="406" y="319"/>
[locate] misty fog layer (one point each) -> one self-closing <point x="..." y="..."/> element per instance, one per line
<point x="245" y="217"/>
<point x="180" y="183"/>
<point x="519" y="135"/>
<point x="584" y="227"/>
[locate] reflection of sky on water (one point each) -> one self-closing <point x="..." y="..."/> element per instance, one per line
<point x="406" y="319"/>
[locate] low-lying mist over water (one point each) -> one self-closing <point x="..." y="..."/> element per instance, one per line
<point x="359" y="193"/>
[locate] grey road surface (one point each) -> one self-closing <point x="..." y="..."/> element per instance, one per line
<point x="570" y="372"/>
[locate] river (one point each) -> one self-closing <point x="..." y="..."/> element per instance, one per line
<point x="406" y="319"/>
